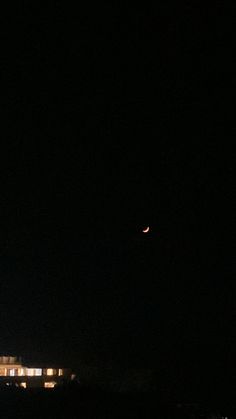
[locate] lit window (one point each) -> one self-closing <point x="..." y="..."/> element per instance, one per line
<point x="12" y="373"/>
<point x="3" y="372"/>
<point x="50" y="384"/>
<point x="49" y="371"/>
<point x="60" y="372"/>
<point x="29" y="372"/>
<point x="33" y="371"/>
<point x="23" y="385"/>
<point x="38" y="371"/>
<point x="21" y="371"/>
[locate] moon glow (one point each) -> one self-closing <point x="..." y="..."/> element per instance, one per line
<point x="146" y="230"/>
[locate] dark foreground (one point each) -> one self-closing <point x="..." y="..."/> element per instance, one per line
<point x="73" y="403"/>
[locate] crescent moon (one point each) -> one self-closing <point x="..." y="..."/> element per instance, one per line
<point x="146" y="230"/>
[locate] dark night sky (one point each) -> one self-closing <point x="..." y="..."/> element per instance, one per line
<point x="111" y="122"/>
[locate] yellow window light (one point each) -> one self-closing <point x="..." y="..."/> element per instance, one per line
<point x="49" y="371"/>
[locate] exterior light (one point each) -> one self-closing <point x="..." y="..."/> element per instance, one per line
<point x="50" y="384"/>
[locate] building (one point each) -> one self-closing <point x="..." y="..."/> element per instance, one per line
<point x="14" y="373"/>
